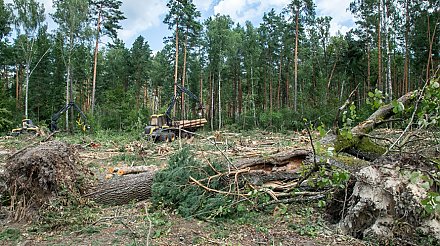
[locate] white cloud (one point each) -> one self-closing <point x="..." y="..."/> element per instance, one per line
<point x="242" y="10"/>
<point x="342" y="20"/>
<point x="203" y="5"/>
<point x="141" y="15"/>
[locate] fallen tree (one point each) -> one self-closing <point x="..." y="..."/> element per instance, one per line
<point x="357" y="141"/>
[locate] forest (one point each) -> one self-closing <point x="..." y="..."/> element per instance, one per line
<point x="272" y="75"/>
<point x="309" y="137"/>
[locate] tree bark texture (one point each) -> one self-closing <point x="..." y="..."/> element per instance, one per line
<point x="124" y="189"/>
<point x="359" y="145"/>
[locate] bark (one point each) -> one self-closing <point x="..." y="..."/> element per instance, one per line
<point x="295" y="88"/>
<point x="185" y="50"/>
<point x="406" y="68"/>
<point x="379" y="48"/>
<point x="276" y="160"/>
<point x="387" y="40"/>
<point x="124" y="189"/>
<point x="359" y="145"/>
<point x="95" y="64"/>
<point x="176" y="65"/>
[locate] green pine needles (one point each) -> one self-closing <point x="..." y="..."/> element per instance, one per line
<point x="172" y="188"/>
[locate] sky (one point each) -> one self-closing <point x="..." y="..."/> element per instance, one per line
<point x="145" y="17"/>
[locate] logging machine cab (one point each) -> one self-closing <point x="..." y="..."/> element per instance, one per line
<point x="160" y="122"/>
<point x="27" y="126"/>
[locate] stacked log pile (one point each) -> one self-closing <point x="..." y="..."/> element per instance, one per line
<point x="191" y="123"/>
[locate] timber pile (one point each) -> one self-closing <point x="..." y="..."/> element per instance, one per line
<point x="34" y="176"/>
<point x="386" y="201"/>
<point x="191" y="123"/>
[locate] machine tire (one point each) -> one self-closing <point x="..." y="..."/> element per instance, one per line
<point x="163" y="137"/>
<point x="171" y="136"/>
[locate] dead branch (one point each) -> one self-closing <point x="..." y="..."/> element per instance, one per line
<point x="412" y="118"/>
<point x="212" y="190"/>
<point x="294" y="200"/>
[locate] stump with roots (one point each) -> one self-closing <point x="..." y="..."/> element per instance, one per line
<point x="386" y="202"/>
<point x="36" y="175"/>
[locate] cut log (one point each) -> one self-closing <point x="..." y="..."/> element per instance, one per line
<point x="191" y="123"/>
<point x="135" y="169"/>
<point x="360" y="146"/>
<point x="123" y="189"/>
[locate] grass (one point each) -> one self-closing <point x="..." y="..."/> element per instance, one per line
<point x="10" y="234"/>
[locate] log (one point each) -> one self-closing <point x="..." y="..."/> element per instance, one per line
<point x="135" y="169"/>
<point x="123" y="189"/>
<point x="191" y="123"/>
<point x="292" y="157"/>
<point x="360" y="146"/>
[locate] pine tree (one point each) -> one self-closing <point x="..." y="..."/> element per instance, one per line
<point x="107" y="15"/>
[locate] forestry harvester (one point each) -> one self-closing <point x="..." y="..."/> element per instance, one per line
<point x="27" y="127"/>
<point x="163" y="128"/>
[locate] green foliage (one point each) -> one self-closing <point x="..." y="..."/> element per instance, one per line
<point x="5" y="122"/>
<point x="10" y="234"/>
<point x="172" y="188"/>
<point x="375" y="99"/>
<point x="429" y="114"/>
<point x="430" y="183"/>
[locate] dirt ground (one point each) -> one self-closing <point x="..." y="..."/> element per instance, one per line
<point x="300" y="224"/>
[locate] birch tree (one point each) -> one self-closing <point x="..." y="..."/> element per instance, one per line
<point x="29" y="19"/>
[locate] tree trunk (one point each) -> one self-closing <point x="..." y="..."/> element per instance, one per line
<point x="185" y="50"/>
<point x="26" y="95"/>
<point x="253" y="96"/>
<point x="368" y="66"/>
<point x="356" y="143"/>
<point x="124" y="189"/>
<point x="176" y="65"/>
<point x="68" y="92"/>
<point x="406" y="69"/>
<point x="95" y="64"/>
<point x="379" y="48"/>
<point x="295" y="88"/>
<point x="219" y="100"/>
<point x="387" y="38"/>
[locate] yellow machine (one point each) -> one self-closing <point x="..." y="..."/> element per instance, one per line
<point x="27" y="127"/>
<point x="163" y="128"/>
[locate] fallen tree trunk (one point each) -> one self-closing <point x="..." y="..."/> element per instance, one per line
<point x="357" y="144"/>
<point x="282" y="166"/>
<point x="124" y="189"/>
<point x="293" y="158"/>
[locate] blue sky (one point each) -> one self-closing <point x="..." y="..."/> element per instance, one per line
<point x="145" y="17"/>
